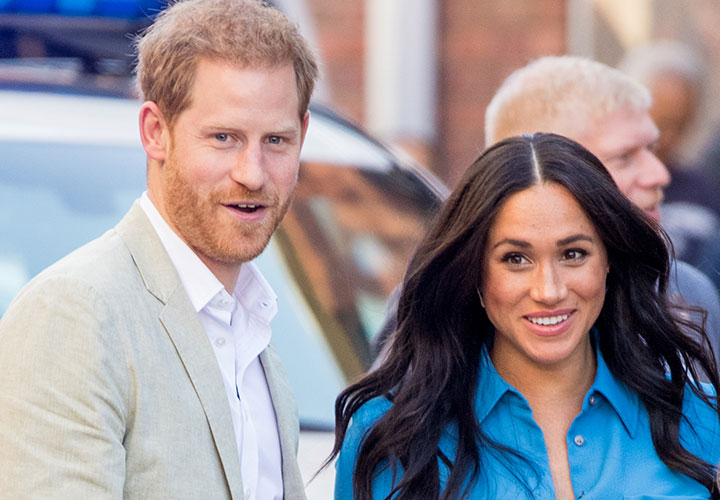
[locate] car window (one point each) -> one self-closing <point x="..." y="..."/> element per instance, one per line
<point x="54" y="197"/>
<point x="354" y="222"/>
<point x="346" y="241"/>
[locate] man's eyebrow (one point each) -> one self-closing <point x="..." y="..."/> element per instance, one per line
<point x="631" y="147"/>
<point x="285" y="131"/>
<point x="280" y="130"/>
<point x="620" y="152"/>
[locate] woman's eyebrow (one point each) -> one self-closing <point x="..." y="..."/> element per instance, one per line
<point x="574" y="238"/>
<point x="510" y="241"/>
<point x="560" y="243"/>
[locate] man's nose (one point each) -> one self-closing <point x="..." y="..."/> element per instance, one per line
<point x="249" y="167"/>
<point x="655" y="173"/>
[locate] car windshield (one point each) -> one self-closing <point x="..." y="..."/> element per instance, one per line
<point x="338" y="254"/>
<point x="57" y="196"/>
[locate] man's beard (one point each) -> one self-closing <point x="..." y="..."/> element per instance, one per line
<point x="212" y="234"/>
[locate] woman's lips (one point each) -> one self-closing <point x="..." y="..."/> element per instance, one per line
<point x="550" y="323"/>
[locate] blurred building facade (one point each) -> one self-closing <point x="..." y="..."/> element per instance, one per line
<point x="418" y="73"/>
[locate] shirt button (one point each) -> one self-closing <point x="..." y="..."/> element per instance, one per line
<point x="592" y="400"/>
<point x="220" y="341"/>
<point x="248" y="494"/>
<point x="579" y="440"/>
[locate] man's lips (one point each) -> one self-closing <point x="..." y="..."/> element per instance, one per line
<point x="248" y="212"/>
<point x="653" y="212"/>
<point x="248" y="208"/>
<point x="653" y="209"/>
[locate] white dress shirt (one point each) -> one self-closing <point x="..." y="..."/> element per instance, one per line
<point x="238" y="327"/>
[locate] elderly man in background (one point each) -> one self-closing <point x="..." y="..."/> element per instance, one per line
<point x="139" y="366"/>
<point x="608" y="113"/>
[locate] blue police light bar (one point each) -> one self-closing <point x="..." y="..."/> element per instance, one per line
<point x="123" y="9"/>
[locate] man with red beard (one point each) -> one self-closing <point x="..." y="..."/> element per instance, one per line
<point x="139" y="366"/>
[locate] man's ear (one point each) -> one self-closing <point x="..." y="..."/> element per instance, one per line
<point x="154" y="133"/>
<point x="305" y="122"/>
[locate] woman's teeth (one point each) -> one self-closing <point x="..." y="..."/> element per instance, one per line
<point x="549" y="320"/>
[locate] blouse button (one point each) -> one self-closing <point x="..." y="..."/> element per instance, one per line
<point x="579" y="440"/>
<point x="592" y="400"/>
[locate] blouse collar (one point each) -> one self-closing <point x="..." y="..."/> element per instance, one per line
<point x="492" y="388"/>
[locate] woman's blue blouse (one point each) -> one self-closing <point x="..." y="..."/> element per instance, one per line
<point x="610" y="449"/>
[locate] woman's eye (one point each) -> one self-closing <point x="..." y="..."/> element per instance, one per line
<point x="514" y="259"/>
<point x="221" y="137"/>
<point x="574" y="254"/>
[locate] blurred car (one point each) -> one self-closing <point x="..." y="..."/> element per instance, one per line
<point x="73" y="164"/>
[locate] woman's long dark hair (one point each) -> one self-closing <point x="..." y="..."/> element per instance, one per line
<point x="431" y="368"/>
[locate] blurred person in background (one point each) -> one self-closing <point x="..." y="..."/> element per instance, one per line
<point x="607" y="112"/>
<point x="537" y="354"/>
<point x="139" y="366"/>
<point x="674" y="75"/>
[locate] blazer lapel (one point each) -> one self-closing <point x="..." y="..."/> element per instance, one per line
<point x="285" y="406"/>
<point x="182" y="324"/>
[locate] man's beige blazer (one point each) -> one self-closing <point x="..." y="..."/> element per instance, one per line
<point x="109" y="387"/>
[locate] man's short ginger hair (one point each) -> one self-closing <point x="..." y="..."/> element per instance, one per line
<point x="244" y="33"/>
<point x="565" y="95"/>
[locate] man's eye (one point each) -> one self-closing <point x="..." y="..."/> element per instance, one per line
<point x="623" y="160"/>
<point x="221" y="137"/>
<point x="273" y="139"/>
<point x="627" y="157"/>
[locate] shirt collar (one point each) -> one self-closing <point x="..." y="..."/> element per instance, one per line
<point x="201" y="285"/>
<point x="624" y="401"/>
<point x="255" y="293"/>
<point x="492" y="387"/>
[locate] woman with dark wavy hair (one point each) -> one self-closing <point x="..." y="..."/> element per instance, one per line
<point x="537" y="354"/>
